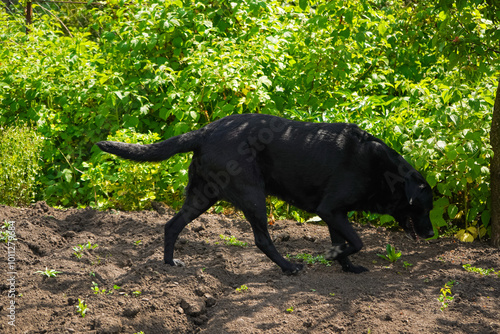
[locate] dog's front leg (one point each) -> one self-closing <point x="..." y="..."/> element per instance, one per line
<point x="345" y="241"/>
<point x="336" y="253"/>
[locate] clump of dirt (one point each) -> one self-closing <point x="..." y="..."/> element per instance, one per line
<point x="230" y="289"/>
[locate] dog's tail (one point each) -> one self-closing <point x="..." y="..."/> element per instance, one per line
<point x="153" y="152"/>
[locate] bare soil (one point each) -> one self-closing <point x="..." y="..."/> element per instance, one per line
<point x="208" y="295"/>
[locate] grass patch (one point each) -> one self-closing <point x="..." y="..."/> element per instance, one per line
<point x="481" y="271"/>
<point x="233" y="241"/>
<point x="310" y="259"/>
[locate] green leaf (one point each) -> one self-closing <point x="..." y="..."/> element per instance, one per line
<point x="164" y="113"/>
<point x="382" y="28"/>
<point x="431" y="178"/>
<point x="177" y="42"/>
<point x="464" y="236"/>
<point x="489" y="99"/>
<point x="67" y="175"/>
<point x="441" y="202"/>
<point x="303" y="4"/>
<point x="99" y="120"/>
<point x="265" y="81"/>
<point x="436" y="216"/>
<point x="348" y="15"/>
<point x="452" y="154"/>
<point x="485" y="217"/>
<point x="452" y="211"/>
<point x="384" y="219"/>
<point x="131" y="121"/>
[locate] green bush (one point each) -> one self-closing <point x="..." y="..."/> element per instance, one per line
<point x="20" y="166"/>
<point x="418" y="76"/>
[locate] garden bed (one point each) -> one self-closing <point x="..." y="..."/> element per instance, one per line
<point x="227" y="288"/>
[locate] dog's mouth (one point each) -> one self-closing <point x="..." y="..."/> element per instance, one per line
<point x="410" y="229"/>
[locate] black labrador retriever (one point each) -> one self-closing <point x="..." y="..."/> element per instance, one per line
<point x="328" y="169"/>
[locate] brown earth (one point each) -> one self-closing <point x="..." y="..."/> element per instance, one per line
<point x="203" y="297"/>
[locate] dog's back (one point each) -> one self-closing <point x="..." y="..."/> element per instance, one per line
<point x="297" y="161"/>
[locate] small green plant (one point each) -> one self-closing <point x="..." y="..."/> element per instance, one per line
<point x="89" y="245"/>
<point x="407" y="265"/>
<point x="97" y="261"/>
<point x="310" y="259"/>
<point x="77" y="252"/>
<point x="103" y="291"/>
<point x="233" y="241"/>
<point x="481" y="271"/>
<point x="81" y="308"/>
<point x="136" y="293"/>
<point x="95" y="288"/>
<point x="48" y="272"/>
<point x="391" y="256"/>
<point x="242" y="288"/>
<point x="445" y="298"/>
<point x="80" y="248"/>
<point x="6" y="234"/>
<point x="138" y="243"/>
<point x="290" y="309"/>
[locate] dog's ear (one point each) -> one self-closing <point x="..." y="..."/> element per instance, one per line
<point x="413" y="189"/>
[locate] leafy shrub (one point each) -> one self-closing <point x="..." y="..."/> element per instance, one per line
<point x="170" y="66"/>
<point x="20" y="149"/>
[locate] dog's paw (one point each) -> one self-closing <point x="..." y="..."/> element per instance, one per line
<point x="349" y="267"/>
<point x="176" y="263"/>
<point x="355" y="269"/>
<point x="294" y="269"/>
<point x="179" y="263"/>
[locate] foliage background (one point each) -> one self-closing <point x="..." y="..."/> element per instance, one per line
<point x="418" y="75"/>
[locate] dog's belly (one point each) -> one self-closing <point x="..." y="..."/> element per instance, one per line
<point x="304" y="197"/>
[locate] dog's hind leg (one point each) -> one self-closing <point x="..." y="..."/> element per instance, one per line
<point x="253" y="205"/>
<point x="197" y="202"/>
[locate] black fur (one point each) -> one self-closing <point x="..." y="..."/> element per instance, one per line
<point x="328" y="169"/>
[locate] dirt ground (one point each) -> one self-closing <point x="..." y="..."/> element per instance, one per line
<point x="226" y="288"/>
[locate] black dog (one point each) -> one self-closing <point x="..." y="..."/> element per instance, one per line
<point x="328" y="169"/>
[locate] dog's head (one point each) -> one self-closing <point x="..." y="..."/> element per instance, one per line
<point x="413" y="211"/>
